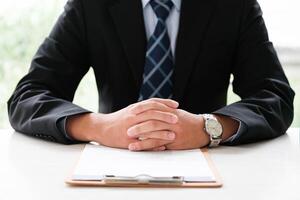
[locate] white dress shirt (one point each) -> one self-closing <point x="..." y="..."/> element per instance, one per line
<point x="172" y="21"/>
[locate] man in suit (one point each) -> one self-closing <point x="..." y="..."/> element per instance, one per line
<point x="145" y="53"/>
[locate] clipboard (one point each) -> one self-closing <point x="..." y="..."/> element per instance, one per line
<point x="147" y="181"/>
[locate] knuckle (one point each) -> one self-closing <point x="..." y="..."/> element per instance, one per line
<point x="135" y="105"/>
<point x="132" y="108"/>
<point x="132" y="105"/>
<point x="149" y="101"/>
<point x="139" y="107"/>
<point x="153" y="104"/>
<point x="154" y="99"/>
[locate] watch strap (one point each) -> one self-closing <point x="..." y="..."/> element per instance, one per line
<point x="214" y="142"/>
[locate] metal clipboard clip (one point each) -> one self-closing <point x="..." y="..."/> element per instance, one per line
<point x="143" y="179"/>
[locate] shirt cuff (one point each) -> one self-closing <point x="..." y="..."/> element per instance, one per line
<point x="241" y="129"/>
<point x="61" y="125"/>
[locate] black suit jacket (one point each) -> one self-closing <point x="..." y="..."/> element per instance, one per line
<point x="216" y="39"/>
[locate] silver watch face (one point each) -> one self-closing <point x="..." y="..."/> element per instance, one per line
<point x="214" y="128"/>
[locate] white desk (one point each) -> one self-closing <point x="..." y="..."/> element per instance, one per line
<point x="31" y="169"/>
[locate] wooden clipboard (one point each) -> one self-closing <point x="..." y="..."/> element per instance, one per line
<point x="217" y="183"/>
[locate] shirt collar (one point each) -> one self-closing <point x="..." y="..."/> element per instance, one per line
<point x="177" y="4"/>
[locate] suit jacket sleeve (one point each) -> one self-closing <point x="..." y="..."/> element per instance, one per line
<point x="43" y="97"/>
<point x="266" y="108"/>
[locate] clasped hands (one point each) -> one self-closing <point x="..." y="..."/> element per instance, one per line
<point x="152" y="125"/>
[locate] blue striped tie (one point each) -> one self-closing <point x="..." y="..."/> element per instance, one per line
<point x="159" y="66"/>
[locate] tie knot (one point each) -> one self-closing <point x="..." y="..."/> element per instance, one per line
<point x="162" y="8"/>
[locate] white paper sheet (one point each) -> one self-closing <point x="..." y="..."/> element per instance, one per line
<point x="97" y="161"/>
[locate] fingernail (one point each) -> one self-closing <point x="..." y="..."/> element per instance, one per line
<point x="176" y="104"/>
<point x="135" y="111"/>
<point x="161" y="148"/>
<point x="171" y="136"/>
<point x="132" y="147"/>
<point x="130" y="132"/>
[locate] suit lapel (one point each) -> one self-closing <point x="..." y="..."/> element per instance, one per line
<point x="129" y="21"/>
<point x="194" y="19"/>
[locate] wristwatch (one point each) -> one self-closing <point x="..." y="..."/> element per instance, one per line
<point x="213" y="128"/>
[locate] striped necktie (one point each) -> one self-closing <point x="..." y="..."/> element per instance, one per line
<point x="159" y="66"/>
